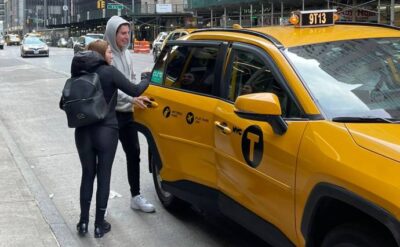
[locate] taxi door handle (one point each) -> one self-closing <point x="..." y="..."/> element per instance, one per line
<point x="222" y="126"/>
<point x="151" y="104"/>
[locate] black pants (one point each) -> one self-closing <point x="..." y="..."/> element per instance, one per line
<point x="128" y="135"/>
<point x="96" y="147"/>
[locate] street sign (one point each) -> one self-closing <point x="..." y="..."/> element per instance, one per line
<point x="114" y="6"/>
<point x="65" y="7"/>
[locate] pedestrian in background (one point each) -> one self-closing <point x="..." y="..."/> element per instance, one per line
<point x="97" y="143"/>
<point x="118" y="36"/>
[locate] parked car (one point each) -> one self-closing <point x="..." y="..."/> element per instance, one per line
<point x="157" y="44"/>
<point x="34" y="47"/>
<point x="95" y="35"/>
<point x="2" y="42"/>
<point x="62" y="42"/>
<point x="83" y="41"/>
<point x="295" y="136"/>
<point x="71" y="42"/>
<point x="12" y="39"/>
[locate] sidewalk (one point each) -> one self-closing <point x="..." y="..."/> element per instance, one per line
<point x="21" y="221"/>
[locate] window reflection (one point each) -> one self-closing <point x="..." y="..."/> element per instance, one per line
<point x="352" y="78"/>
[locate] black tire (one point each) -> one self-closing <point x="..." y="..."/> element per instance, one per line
<point x="167" y="199"/>
<point x="357" y="235"/>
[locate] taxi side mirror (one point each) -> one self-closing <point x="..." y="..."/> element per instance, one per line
<point x="262" y="107"/>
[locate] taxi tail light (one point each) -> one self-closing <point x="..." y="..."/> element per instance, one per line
<point x="294" y="19"/>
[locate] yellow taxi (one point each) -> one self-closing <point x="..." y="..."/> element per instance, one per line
<point x="291" y="131"/>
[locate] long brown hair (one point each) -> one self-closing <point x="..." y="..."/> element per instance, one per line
<point x="100" y="46"/>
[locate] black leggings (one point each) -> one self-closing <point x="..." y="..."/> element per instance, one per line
<point x="96" y="147"/>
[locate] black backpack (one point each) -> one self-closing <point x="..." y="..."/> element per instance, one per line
<point x="83" y="100"/>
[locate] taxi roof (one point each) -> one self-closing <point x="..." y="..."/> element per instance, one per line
<point x="291" y="36"/>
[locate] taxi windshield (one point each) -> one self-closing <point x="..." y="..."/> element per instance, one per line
<point x="352" y="78"/>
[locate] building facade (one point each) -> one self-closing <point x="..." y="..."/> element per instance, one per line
<point x="251" y="13"/>
<point x="83" y="16"/>
<point x="2" y="15"/>
<point x="150" y="17"/>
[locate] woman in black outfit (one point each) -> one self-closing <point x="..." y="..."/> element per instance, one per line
<point x="97" y="143"/>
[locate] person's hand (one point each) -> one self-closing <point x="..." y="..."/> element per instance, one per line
<point x="141" y="101"/>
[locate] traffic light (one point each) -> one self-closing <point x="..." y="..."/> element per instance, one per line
<point x="101" y="4"/>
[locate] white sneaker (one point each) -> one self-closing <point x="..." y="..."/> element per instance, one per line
<point x="139" y="202"/>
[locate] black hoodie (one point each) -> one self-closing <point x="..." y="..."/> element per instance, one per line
<point x="111" y="79"/>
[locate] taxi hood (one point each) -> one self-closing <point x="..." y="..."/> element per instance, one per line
<point x="380" y="138"/>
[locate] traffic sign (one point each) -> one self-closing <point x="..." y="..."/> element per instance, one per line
<point x="114" y="6"/>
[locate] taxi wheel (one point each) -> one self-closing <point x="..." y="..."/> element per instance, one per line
<point x="356" y="235"/>
<point x="168" y="200"/>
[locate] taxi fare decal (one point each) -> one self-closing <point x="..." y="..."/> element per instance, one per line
<point x="167" y="112"/>
<point x="191" y="118"/>
<point x="253" y="145"/>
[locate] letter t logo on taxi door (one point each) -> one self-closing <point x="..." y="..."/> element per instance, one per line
<point x="253" y="138"/>
<point x="253" y="145"/>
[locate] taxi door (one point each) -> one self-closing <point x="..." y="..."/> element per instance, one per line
<point x="184" y="90"/>
<point x="256" y="167"/>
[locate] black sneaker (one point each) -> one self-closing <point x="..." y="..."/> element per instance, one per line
<point x="101" y="229"/>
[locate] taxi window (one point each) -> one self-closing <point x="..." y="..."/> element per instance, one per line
<point x="191" y="68"/>
<point x="251" y="74"/>
<point x="176" y="36"/>
<point x="352" y="78"/>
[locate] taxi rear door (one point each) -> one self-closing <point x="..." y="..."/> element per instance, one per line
<point x="184" y="87"/>
<point x="256" y="167"/>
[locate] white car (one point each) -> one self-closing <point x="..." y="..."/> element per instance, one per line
<point x="1" y="42"/>
<point x="157" y="44"/>
<point x="34" y="47"/>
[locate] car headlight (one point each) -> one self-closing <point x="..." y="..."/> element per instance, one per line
<point x="46" y="47"/>
<point x="25" y="48"/>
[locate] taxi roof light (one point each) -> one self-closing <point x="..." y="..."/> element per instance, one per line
<point x="237" y="26"/>
<point x="294" y="19"/>
<point x="336" y="17"/>
<point x="314" y="18"/>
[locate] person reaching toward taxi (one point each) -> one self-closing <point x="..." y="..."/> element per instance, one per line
<point x="97" y="143"/>
<point x="118" y="36"/>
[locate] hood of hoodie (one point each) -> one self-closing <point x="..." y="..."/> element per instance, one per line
<point x="86" y="61"/>
<point x="121" y="58"/>
<point x="111" y="32"/>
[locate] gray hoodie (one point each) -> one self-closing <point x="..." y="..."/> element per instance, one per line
<point x="122" y="60"/>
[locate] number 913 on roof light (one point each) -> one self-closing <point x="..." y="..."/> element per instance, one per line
<point x="314" y="18"/>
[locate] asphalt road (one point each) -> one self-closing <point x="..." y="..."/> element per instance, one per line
<point x="30" y="89"/>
